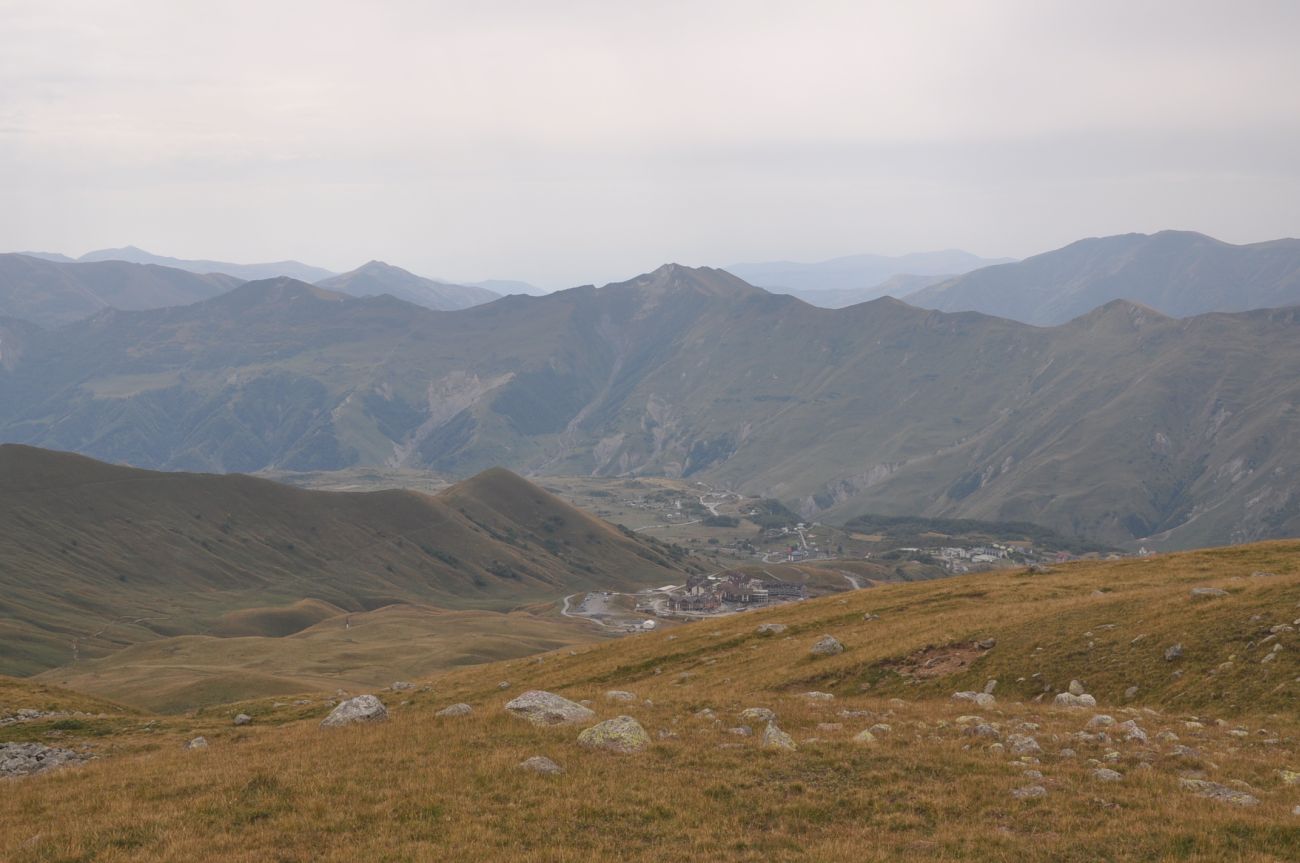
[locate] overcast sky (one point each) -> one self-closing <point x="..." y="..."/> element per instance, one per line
<point x="572" y="142"/>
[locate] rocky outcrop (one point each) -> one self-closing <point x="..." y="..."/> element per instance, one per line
<point x="363" y="708"/>
<point x="547" y="708"/>
<point x="623" y="735"/>
<point x="26" y="759"/>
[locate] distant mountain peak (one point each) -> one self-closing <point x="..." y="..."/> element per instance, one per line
<point x="708" y="281"/>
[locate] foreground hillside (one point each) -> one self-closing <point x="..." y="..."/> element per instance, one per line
<point x="1123" y="426"/>
<point x="95" y="557"/>
<point x="1189" y="754"/>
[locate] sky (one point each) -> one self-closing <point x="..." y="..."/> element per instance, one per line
<point x="582" y="142"/>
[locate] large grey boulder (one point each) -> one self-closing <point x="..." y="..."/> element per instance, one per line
<point x="547" y="708"/>
<point x="623" y="734"/>
<point x="541" y="764"/>
<point x="25" y="759"/>
<point x="461" y="709"/>
<point x="363" y="708"/>
<point x="827" y="645"/>
<point x="775" y="738"/>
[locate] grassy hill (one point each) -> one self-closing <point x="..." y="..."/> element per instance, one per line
<point x="938" y="781"/>
<point x="1179" y="273"/>
<point x="95" y="557"/>
<point x="1122" y="426"/>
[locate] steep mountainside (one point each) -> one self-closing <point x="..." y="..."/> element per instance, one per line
<point x="856" y="278"/>
<point x="95" y="557"/>
<point x="50" y="293"/>
<point x="376" y="278"/>
<point x="1177" y="272"/>
<point x="243" y="272"/>
<point x="1121" y="426"/>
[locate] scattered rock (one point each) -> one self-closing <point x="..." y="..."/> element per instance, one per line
<point x="1023" y="744"/>
<point x="1174" y="651"/>
<point x="770" y="628"/>
<point x="402" y="686"/>
<point x="1076" y="688"/>
<point x="1105" y="774"/>
<point x="363" y="708"/>
<point x="1289" y="777"/>
<point x="864" y="737"/>
<point x="25" y="759"/>
<point x="1067" y="699"/>
<point x="1029" y="792"/>
<point x="620" y="695"/>
<point x="827" y="645"/>
<point x="741" y="731"/>
<point x="243" y="719"/>
<point x="541" y="764"/>
<point x="983" y="699"/>
<point x="547" y="708"/>
<point x="881" y="728"/>
<point x="1130" y="693"/>
<point x="819" y="696"/>
<point x="1215" y="791"/>
<point x="622" y="734"/>
<point x="1131" y="731"/>
<point x="505" y="684"/>
<point x="1101" y="720"/>
<point x="775" y="738"/>
<point x="1207" y="592"/>
<point x="197" y="743"/>
<point x="987" y="644"/>
<point x="981" y="730"/>
<point x="869" y="616"/>
<point x="461" y="709"/>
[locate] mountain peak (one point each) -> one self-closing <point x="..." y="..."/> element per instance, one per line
<point x="707" y="281"/>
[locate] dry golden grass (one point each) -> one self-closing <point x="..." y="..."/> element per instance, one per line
<point x="423" y="788"/>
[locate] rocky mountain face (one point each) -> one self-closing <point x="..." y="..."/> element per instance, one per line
<point x="1177" y="272"/>
<point x="377" y="278"/>
<point x="1122" y="426"/>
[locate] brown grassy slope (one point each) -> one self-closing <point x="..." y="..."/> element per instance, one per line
<point x="420" y="787"/>
<point x="94" y="557"/>
<point x="355" y="651"/>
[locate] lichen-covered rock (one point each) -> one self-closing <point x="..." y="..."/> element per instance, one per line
<point x="827" y="645"/>
<point x="197" y="743"/>
<point x="547" y="708"/>
<point x="620" y="695"/>
<point x="865" y="737"/>
<point x="1029" y="792"/>
<point x="363" y="708"/>
<point x="1069" y="699"/>
<point x="541" y="764"/>
<point x="775" y="738"/>
<point x="1105" y="774"/>
<point x="622" y="734"/>
<point x="25" y="759"/>
<point x="1023" y="744"/>
<point x="982" y="699"/>
<point x="758" y="714"/>
<point x="461" y="709"/>
<point x="1215" y="791"/>
<point x="243" y="719"/>
<point x="770" y="628"/>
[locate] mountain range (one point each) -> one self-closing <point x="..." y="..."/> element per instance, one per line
<point x="1123" y="425"/>
<point x="376" y="278"/>
<point x="1180" y="273"/>
<point x="242" y="272"/>
<point x="854" y="279"/>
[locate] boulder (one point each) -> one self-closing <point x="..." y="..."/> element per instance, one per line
<point x="827" y="645"/>
<point x="758" y="714"/>
<point x="775" y="738"/>
<point x="864" y="737"/>
<point x="197" y="743"/>
<point x="620" y="695"/>
<point x="461" y="709"/>
<point x="1105" y="774"/>
<point x="25" y="759"/>
<point x="1023" y="744"/>
<point x="1076" y="688"/>
<point x="1101" y="720"/>
<point x="547" y="708"/>
<point x="819" y="696"/>
<point x="1069" y="699"/>
<point x="243" y="719"/>
<point x="983" y="699"/>
<point x="1215" y="791"/>
<point x="363" y="708"/>
<point x="770" y="628"/>
<point x="1174" y="651"/>
<point x="1029" y="792"/>
<point x="1207" y="592"/>
<point x="622" y="734"/>
<point x="540" y="764"/>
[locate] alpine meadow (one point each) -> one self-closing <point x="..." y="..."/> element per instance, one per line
<point x="562" y="432"/>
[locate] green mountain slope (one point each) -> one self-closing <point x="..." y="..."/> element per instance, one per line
<point x="94" y="557"/>
<point x="1121" y="426"/>
<point x="51" y="293"/>
<point x="376" y="278"/>
<point x="1178" y="272"/>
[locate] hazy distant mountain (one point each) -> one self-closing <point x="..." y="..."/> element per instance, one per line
<point x="376" y="278"/>
<point x="510" y="286"/>
<point x="1177" y="272"/>
<point x="894" y="286"/>
<point x="48" y="256"/>
<point x="50" y="293"/>
<point x="856" y="278"/>
<point x="244" y="272"/>
<point x="1120" y="425"/>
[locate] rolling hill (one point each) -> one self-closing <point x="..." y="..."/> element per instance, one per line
<point x="1122" y="426"/>
<point x="96" y="557"/>
<point x="50" y="293"/>
<point x="1179" y="273"/>
<point x="1191" y="757"/>
<point x="242" y="272"/>
<point x="376" y="278"/>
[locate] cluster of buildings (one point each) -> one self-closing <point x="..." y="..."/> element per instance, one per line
<point x="730" y="591"/>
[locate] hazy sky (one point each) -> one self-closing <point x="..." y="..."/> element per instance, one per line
<point x="569" y="142"/>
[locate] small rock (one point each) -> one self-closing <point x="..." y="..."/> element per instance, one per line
<point x="1105" y="774"/>
<point x="1076" y="688"/>
<point x="197" y="743"/>
<point x="402" y="686"/>
<point x="881" y="728"/>
<point x="461" y="709"/>
<point x="1289" y="777"/>
<point x="1029" y="792"/>
<point x="989" y="686"/>
<point x="1174" y="651"/>
<point x="1023" y="744"/>
<point x="505" y="684"/>
<point x="1132" y="731"/>
<point x="775" y="738"/>
<point x="243" y="719"/>
<point x="770" y="628"/>
<point x="757" y="714"/>
<point x="1101" y="720"/>
<point x="1215" y="791"/>
<point x="619" y="695"/>
<point x="864" y="737"/>
<point x="1207" y="592"/>
<point x="819" y="696"/>
<point x="622" y="734"/>
<point x="1067" y="699"/>
<point x="1130" y="693"/>
<point x="547" y="708"/>
<point x="983" y="699"/>
<point x="363" y="708"/>
<point x="827" y="645"/>
<point x="869" y="616"/>
<point x="741" y="731"/>
<point x="541" y="764"/>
